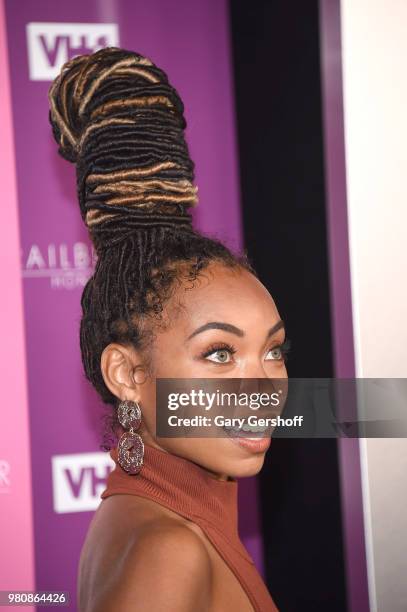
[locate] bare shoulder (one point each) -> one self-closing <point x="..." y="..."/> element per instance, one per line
<point x="165" y="567"/>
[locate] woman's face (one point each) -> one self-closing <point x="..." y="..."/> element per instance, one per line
<point x="191" y="347"/>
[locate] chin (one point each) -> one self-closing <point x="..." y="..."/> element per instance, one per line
<point x="244" y="468"/>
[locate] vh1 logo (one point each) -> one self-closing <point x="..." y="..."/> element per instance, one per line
<point x="50" y="45"/>
<point x="78" y="480"/>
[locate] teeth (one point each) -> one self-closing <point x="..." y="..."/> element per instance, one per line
<point x="231" y="428"/>
<point x="254" y="429"/>
<point x="246" y="428"/>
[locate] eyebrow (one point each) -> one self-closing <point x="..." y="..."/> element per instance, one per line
<point x="228" y="327"/>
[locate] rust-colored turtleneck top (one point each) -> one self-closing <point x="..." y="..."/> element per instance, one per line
<point x="189" y="490"/>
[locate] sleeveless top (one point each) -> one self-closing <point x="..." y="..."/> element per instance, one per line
<point x="187" y="489"/>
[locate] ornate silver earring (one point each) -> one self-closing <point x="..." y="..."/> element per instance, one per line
<point x="131" y="446"/>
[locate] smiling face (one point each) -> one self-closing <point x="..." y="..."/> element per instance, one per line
<point x="225" y="326"/>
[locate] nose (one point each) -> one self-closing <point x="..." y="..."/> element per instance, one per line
<point x="252" y="374"/>
<point x="250" y="378"/>
<point x="253" y="368"/>
<point x="249" y="385"/>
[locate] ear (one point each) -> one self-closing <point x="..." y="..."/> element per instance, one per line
<point x="123" y="371"/>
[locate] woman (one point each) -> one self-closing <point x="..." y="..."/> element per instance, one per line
<point x="164" y="302"/>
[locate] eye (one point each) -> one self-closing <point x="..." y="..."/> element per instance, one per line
<point x="219" y="353"/>
<point x="275" y="352"/>
<point x="280" y="351"/>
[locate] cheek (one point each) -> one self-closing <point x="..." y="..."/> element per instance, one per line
<point x="276" y="369"/>
<point x="173" y="362"/>
<point x="283" y="372"/>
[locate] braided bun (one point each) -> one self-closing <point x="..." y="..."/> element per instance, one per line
<point x="115" y="115"/>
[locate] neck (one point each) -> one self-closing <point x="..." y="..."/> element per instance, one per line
<point x="212" y="474"/>
<point x="180" y="485"/>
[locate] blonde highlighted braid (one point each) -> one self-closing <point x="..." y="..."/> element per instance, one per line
<point x="115" y="115"/>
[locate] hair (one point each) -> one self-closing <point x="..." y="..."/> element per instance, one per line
<point x="115" y="115"/>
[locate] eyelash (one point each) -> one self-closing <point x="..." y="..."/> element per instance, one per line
<point x="285" y="348"/>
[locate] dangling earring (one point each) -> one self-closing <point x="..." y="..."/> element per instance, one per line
<point x="130" y="447"/>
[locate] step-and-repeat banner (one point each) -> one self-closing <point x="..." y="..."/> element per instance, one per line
<point x="190" y="41"/>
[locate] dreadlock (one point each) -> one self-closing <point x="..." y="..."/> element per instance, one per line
<point x="115" y="115"/>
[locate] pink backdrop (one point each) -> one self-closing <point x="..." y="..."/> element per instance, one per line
<point x="190" y="40"/>
<point x="16" y="529"/>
